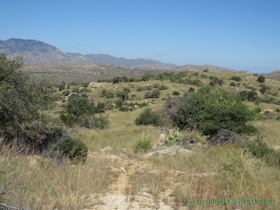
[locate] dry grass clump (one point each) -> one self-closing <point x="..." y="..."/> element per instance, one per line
<point x="270" y="130"/>
<point x="37" y="182"/>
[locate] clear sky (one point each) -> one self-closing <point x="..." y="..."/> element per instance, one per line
<point x="238" y="34"/>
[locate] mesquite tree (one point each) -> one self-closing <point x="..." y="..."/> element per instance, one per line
<point x="21" y="99"/>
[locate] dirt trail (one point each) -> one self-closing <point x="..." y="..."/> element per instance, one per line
<point x="117" y="197"/>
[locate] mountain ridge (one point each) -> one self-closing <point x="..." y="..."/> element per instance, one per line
<point x="38" y="52"/>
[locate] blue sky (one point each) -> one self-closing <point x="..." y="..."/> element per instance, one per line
<point x="238" y="34"/>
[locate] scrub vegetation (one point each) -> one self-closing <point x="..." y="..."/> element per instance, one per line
<point x="66" y="146"/>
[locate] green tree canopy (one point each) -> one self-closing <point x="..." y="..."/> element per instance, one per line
<point x="20" y="99"/>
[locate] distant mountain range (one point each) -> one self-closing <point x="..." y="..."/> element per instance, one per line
<point x="37" y="52"/>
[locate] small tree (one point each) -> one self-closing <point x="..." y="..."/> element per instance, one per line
<point x="20" y="102"/>
<point x="119" y="103"/>
<point x="261" y="79"/>
<point x="264" y="88"/>
<point x="80" y="106"/>
<point x="122" y="95"/>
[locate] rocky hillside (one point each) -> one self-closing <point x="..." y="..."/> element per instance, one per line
<point x="275" y="75"/>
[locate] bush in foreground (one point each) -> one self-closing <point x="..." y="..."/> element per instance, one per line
<point x="74" y="150"/>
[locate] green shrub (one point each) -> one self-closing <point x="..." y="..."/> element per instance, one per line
<point x="264" y="88"/>
<point x="85" y="84"/>
<point x="126" y="90"/>
<point x="99" y="107"/>
<point x="74" y="96"/>
<point x="61" y="86"/>
<point x="163" y="87"/>
<point x="155" y="94"/>
<point x="143" y="104"/>
<point x="143" y="145"/>
<point x="149" y="88"/>
<point x="176" y="93"/>
<point x="107" y="94"/>
<point x="249" y="95"/>
<point x="233" y="84"/>
<point x="235" y="78"/>
<point x="119" y="103"/>
<point x="74" y="150"/>
<point x="252" y="88"/>
<point x="148" y="117"/>
<point x="211" y="112"/>
<point x="205" y="70"/>
<point x="215" y="81"/>
<point x="84" y="95"/>
<point x="257" y="110"/>
<point x="123" y="109"/>
<point x="156" y="85"/>
<point x="255" y="74"/>
<point x="261" y="79"/>
<point x="68" y="119"/>
<point x="66" y="93"/>
<point x="197" y="82"/>
<point x="75" y="90"/>
<point x="278" y="118"/>
<point x="191" y="90"/>
<point x="260" y="150"/>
